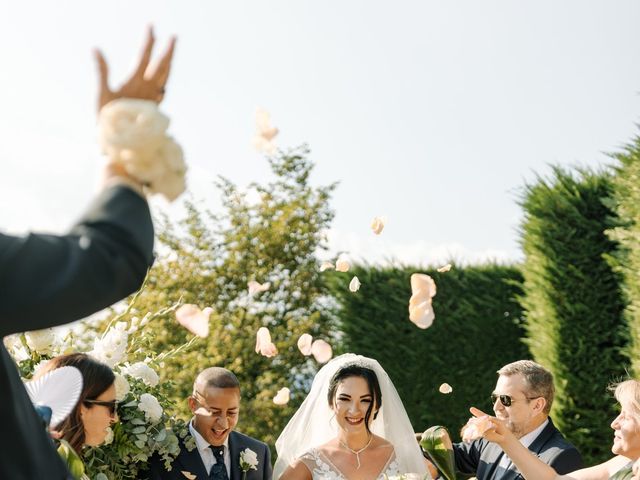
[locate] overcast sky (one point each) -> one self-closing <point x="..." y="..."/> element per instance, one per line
<point x="431" y="113"/>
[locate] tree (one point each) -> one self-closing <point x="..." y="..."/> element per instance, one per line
<point x="208" y="259"/>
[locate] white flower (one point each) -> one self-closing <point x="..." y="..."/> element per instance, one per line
<point x="109" y="437"/>
<point x="142" y="371"/>
<point x="122" y="386"/>
<point x="282" y="397"/>
<point x="112" y="347"/>
<point x="248" y="460"/>
<point x="41" y="341"/>
<point x="129" y="123"/>
<point x="151" y="407"/>
<point x="13" y="343"/>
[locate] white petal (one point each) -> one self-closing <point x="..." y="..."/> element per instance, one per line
<point x="304" y="344"/>
<point x="354" y="284"/>
<point x="444" y="268"/>
<point x="422" y="315"/>
<point x="377" y="225"/>
<point x="189" y="475"/>
<point x="282" y="397"/>
<point x="445" y="388"/>
<point x="321" y="351"/>
<point x="326" y="266"/>
<point x="423" y="282"/>
<point x="342" y="265"/>
<point x="264" y="346"/>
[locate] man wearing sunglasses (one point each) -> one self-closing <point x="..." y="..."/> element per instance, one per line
<point x="522" y="398"/>
<point x="219" y="450"/>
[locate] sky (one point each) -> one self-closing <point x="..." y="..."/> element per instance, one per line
<point x="433" y="114"/>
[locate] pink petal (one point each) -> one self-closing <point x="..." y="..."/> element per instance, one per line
<point x="423" y="282"/>
<point x="256" y="287"/>
<point x="282" y="397"/>
<point x="194" y="319"/>
<point x="264" y="346"/>
<point x="475" y="428"/>
<point x="326" y="266"/>
<point x="304" y="344"/>
<point x="321" y="351"/>
<point x="422" y="315"/>
<point x="377" y="225"/>
<point x="342" y="265"/>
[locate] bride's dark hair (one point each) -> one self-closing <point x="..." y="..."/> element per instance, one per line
<point x="369" y="376"/>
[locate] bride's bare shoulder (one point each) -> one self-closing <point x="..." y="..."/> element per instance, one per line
<point x="379" y="442"/>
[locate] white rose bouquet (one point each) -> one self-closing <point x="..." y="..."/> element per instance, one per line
<point x="145" y="427"/>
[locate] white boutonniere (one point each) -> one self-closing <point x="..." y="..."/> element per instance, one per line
<point x="248" y="460"/>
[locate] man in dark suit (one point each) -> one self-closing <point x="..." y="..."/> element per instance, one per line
<point x="219" y="450"/>
<point x="522" y="398"/>
<point x="48" y="280"/>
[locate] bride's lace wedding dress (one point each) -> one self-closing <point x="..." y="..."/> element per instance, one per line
<point x="321" y="467"/>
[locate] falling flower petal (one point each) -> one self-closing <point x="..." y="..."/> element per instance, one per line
<point x="475" y="427"/>
<point x="354" y="284"/>
<point x="264" y="346"/>
<point x="321" y="351"/>
<point x="424" y="283"/>
<point x="256" y="287"/>
<point x="377" y="225"/>
<point x="265" y="133"/>
<point x="194" y="319"/>
<point x="189" y="475"/>
<point x="445" y="388"/>
<point x="444" y="268"/>
<point x="203" y="412"/>
<point x="304" y="344"/>
<point x="326" y="266"/>
<point x="422" y="315"/>
<point x="282" y="397"/>
<point x="342" y="265"/>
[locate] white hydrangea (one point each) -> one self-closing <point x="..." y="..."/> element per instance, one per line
<point x="151" y="407"/>
<point x="41" y="341"/>
<point x="112" y="348"/>
<point x="16" y="348"/>
<point x="122" y="386"/>
<point x="142" y="371"/>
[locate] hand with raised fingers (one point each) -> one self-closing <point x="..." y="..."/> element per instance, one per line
<point x="498" y="433"/>
<point x="146" y="83"/>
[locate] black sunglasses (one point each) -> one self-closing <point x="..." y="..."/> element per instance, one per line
<point x="110" y="404"/>
<point x="507" y="400"/>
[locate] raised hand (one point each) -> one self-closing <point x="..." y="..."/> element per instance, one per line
<point x="499" y="433"/>
<point x="146" y="83"/>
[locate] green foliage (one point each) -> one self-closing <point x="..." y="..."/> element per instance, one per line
<point x="476" y="331"/>
<point x="573" y="303"/>
<point x="208" y="260"/>
<point x="625" y="202"/>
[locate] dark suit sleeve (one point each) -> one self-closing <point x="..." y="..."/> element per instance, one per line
<point x="566" y="461"/>
<point x="467" y="456"/>
<point x="267" y="469"/>
<point x="48" y="280"/>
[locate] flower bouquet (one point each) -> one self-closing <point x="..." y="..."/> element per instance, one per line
<point x="436" y="442"/>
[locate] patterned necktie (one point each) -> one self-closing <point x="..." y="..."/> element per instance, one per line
<point x="218" y="471"/>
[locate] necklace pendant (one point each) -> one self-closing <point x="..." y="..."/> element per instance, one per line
<point x="358" y="459"/>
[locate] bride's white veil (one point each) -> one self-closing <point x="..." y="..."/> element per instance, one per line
<point x="313" y="424"/>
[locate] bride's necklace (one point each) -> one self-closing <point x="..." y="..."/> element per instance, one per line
<point x="357" y="452"/>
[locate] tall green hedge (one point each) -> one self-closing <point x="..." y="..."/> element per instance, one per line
<point x="573" y="302"/>
<point x="477" y="329"/>
<point x="626" y="203"/>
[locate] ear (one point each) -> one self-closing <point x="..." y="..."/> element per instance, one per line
<point x="540" y="404"/>
<point x="192" y="404"/>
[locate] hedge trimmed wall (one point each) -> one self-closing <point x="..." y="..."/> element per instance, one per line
<point x="573" y="303"/>
<point x="477" y="330"/>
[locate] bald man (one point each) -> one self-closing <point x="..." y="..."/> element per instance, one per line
<point x="215" y="403"/>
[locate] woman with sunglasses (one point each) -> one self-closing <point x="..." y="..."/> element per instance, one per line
<point x="626" y="443"/>
<point x="95" y="411"/>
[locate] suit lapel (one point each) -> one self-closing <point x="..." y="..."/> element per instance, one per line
<point x="234" y="452"/>
<point x="191" y="461"/>
<point x="492" y="456"/>
<point x="540" y="440"/>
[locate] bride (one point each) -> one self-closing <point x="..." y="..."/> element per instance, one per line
<point x="352" y="425"/>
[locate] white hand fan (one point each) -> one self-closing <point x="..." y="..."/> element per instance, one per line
<point x="59" y="390"/>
